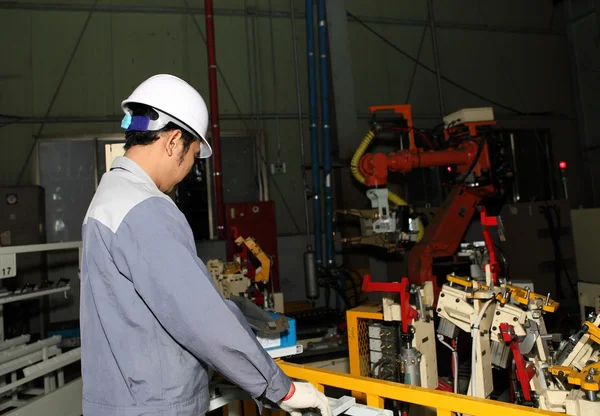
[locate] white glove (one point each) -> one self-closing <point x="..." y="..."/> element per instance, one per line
<point x="303" y="397"/>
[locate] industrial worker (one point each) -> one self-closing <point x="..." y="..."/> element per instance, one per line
<point x="153" y="324"/>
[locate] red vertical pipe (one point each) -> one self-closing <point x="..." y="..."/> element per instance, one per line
<point x="214" y="117"/>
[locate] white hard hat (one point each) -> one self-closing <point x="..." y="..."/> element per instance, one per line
<point x="174" y="100"/>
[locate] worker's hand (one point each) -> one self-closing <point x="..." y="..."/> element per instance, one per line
<point x="303" y="397"/>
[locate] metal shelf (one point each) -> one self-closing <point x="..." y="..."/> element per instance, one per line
<point x="33" y="294"/>
<point x="31" y="248"/>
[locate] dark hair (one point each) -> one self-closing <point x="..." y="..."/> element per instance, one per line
<point x="143" y="138"/>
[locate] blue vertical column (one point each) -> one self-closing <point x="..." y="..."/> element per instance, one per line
<point x="314" y="132"/>
<point x="326" y="130"/>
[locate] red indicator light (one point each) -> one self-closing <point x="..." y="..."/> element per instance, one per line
<point x="562" y="165"/>
<point x="449" y="168"/>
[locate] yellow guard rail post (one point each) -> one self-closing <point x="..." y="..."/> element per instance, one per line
<point x="377" y="390"/>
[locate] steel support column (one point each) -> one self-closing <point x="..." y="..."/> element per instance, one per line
<point x="214" y="119"/>
<point x="583" y="124"/>
<point x="345" y="126"/>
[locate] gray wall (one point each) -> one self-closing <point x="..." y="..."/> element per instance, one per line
<point x="514" y="52"/>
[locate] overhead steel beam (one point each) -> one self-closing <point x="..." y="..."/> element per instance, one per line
<point x="262" y="116"/>
<point x="109" y="8"/>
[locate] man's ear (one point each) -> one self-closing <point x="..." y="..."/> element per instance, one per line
<point x="172" y="140"/>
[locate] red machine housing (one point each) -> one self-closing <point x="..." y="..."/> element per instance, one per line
<point x="256" y="220"/>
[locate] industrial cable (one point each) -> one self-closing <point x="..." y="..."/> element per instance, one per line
<point x="236" y="104"/>
<point x="356" y="289"/>
<point x="274" y="77"/>
<point x="300" y="127"/>
<point x="505" y="261"/>
<point x="436" y="59"/>
<point x="258" y="92"/>
<point x="328" y="280"/>
<point x="409" y="129"/>
<point x="474" y="336"/>
<point x="414" y="73"/>
<point x="554" y="230"/>
<point x="58" y="88"/>
<point x="498" y="51"/>
<point x="258" y="175"/>
<point x="348" y="277"/>
<point x="547" y="159"/>
<point x="440" y="338"/>
<point x="431" y="70"/>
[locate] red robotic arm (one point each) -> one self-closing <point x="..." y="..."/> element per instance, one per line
<point x="375" y="167"/>
<point x="443" y="235"/>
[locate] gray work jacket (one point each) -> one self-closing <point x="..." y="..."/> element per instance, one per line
<point x="152" y="320"/>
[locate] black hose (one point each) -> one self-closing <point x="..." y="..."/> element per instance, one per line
<point x="329" y="281"/>
<point x="559" y="262"/>
<point x="354" y="288"/>
<point x="505" y="261"/>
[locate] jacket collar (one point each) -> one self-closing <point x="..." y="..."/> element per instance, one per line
<point x="123" y="162"/>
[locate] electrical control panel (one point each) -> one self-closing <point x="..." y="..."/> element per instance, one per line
<point x="383" y="351"/>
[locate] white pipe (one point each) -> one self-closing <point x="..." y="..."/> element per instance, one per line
<point x="54" y="363"/>
<point x="46" y="377"/>
<point x="38" y="293"/>
<point x="49" y="366"/>
<point x="209" y="182"/>
<point x="28" y="349"/>
<point x="474" y="334"/>
<point x="13" y="342"/>
<point x="34" y="248"/>
<point x="26" y="360"/>
<point x="13" y="378"/>
<point x="454" y="358"/>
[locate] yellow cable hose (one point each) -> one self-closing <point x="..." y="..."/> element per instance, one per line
<point x="394" y="198"/>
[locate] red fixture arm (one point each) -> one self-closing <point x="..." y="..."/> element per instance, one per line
<point x="487" y="222"/>
<point x="525" y="371"/>
<point x="408" y="313"/>
<point x="214" y="116"/>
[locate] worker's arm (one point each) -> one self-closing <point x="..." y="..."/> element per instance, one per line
<point x="156" y="244"/>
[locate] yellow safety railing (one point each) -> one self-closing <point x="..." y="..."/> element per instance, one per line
<point x="378" y="390"/>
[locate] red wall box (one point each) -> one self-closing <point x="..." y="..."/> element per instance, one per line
<point x="256" y="220"/>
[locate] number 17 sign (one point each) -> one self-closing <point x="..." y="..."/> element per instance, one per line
<point x="8" y="265"/>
